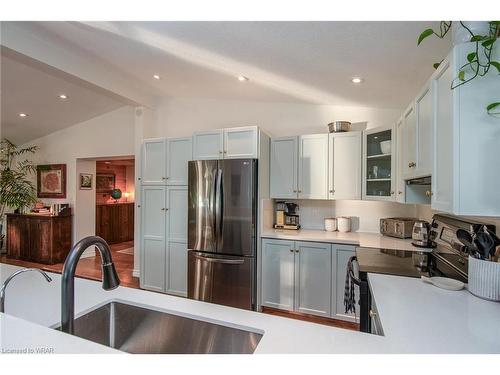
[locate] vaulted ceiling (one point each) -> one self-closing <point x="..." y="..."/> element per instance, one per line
<point x="303" y="62"/>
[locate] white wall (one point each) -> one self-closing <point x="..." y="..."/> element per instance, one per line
<point x="179" y="117"/>
<point x="108" y="135"/>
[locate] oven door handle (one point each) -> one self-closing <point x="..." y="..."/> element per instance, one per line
<point x="350" y="270"/>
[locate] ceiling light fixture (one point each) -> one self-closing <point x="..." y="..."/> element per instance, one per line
<point x="242" y="78"/>
<point x="356" y="79"/>
<point x="63" y="96"/>
<point x="23" y="115"/>
<point x="156" y="76"/>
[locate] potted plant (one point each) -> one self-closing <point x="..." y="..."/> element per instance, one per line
<point x="17" y="191"/>
<point x="479" y="62"/>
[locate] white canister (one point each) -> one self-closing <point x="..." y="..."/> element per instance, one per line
<point x="330" y="224"/>
<point x="344" y="224"/>
<point x="484" y="279"/>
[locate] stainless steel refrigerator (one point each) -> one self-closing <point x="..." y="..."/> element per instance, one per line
<point x="222" y="231"/>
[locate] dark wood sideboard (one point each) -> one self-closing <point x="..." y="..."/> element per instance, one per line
<point x="115" y="222"/>
<point x="38" y="238"/>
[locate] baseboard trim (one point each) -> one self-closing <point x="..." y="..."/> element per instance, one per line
<point x="135" y="273"/>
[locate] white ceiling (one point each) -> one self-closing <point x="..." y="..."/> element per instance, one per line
<point x="285" y="61"/>
<point x="31" y="87"/>
<point x="304" y="62"/>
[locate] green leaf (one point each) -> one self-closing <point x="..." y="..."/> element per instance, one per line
<point x="461" y="75"/>
<point x="496" y="64"/>
<point x="425" y="34"/>
<point x="471" y="56"/>
<point x="488" y="42"/>
<point x="477" y="38"/>
<point x="491" y="107"/>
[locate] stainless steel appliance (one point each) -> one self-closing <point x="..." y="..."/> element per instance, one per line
<point x="448" y="258"/>
<point x="399" y="227"/>
<point x="280" y="214"/>
<point x="421" y="234"/>
<point x="222" y="231"/>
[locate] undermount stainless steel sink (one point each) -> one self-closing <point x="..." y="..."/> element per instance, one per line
<point x="136" y="329"/>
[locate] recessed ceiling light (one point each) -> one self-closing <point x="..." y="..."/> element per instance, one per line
<point x="23" y="115"/>
<point x="356" y="79"/>
<point x="156" y="76"/>
<point x="63" y="96"/>
<point x="242" y="78"/>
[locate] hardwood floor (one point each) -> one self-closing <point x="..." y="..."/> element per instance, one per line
<point x="90" y="268"/>
<point x="311" y="318"/>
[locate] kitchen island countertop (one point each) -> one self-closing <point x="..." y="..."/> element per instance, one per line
<point x="416" y="318"/>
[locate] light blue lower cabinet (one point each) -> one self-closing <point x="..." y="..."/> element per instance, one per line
<point x="278" y="270"/>
<point x="313" y="278"/>
<point x="306" y="277"/>
<point x="340" y="257"/>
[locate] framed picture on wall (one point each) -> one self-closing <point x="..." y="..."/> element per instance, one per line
<point x="104" y="182"/>
<point x="51" y="181"/>
<point x="86" y="181"/>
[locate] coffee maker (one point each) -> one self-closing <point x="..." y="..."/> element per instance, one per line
<point x="286" y="215"/>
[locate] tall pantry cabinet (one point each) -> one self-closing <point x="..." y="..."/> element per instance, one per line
<point x="163" y="211"/>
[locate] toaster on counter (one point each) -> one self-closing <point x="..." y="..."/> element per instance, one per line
<point x="399" y="227"/>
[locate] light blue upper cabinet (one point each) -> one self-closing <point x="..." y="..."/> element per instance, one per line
<point x="208" y="145"/>
<point x="423" y="110"/>
<point x="241" y="143"/>
<point x="313" y="278"/>
<point x="379" y="163"/>
<point x="154" y="162"/>
<point x="283" y="173"/>
<point x="178" y="154"/>
<point x="313" y="166"/>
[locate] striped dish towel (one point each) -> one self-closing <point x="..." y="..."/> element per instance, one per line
<point x="349" y="300"/>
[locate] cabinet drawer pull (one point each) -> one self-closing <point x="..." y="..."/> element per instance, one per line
<point x="164" y="209"/>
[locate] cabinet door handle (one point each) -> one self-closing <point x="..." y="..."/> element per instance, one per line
<point x="297" y="250"/>
<point x="412" y="164"/>
<point x="392" y="192"/>
<point x="138" y="206"/>
<point x="300" y="191"/>
<point x="220" y="152"/>
<point x="400" y="192"/>
<point x="164" y="209"/>
<point x="225" y="151"/>
<point x="139" y="178"/>
<point x="295" y="191"/>
<point x="372" y="314"/>
<point x="292" y="250"/>
<point x="332" y="191"/>
<point x="428" y="193"/>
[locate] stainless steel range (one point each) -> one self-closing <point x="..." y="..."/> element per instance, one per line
<point x="449" y="258"/>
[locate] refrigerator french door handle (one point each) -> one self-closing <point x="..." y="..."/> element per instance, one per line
<point x="219" y="209"/>
<point x="218" y="260"/>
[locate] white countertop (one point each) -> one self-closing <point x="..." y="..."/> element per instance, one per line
<point x="362" y="239"/>
<point x="416" y="318"/>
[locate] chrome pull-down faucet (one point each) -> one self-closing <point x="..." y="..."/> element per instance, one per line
<point x="8" y="280"/>
<point x="110" y="278"/>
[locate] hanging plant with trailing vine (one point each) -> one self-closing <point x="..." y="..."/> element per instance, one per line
<point x="479" y="62"/>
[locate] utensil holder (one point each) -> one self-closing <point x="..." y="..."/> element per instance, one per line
<point x="484" y="279"/>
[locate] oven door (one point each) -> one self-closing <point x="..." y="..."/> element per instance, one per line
<point x="221" y="279"/>
<point x="361" y="280"/>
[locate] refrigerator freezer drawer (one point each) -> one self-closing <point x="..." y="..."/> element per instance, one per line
<point x="221" y="279"/>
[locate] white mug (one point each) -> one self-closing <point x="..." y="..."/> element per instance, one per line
<point x="344" y="224"/>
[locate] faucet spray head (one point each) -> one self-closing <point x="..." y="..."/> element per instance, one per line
<point x="110" y="279"/>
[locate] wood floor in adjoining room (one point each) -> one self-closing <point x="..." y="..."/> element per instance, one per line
<point x="90" y="268"/>
<point x="311" y="318"/>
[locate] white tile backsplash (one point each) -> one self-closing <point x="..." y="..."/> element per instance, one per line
<point x="365" y="215"/>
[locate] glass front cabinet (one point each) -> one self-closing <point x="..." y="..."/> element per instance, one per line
<point x="379" y="163"/>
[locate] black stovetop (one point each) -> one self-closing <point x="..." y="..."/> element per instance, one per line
<point x="390" y="262"/>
